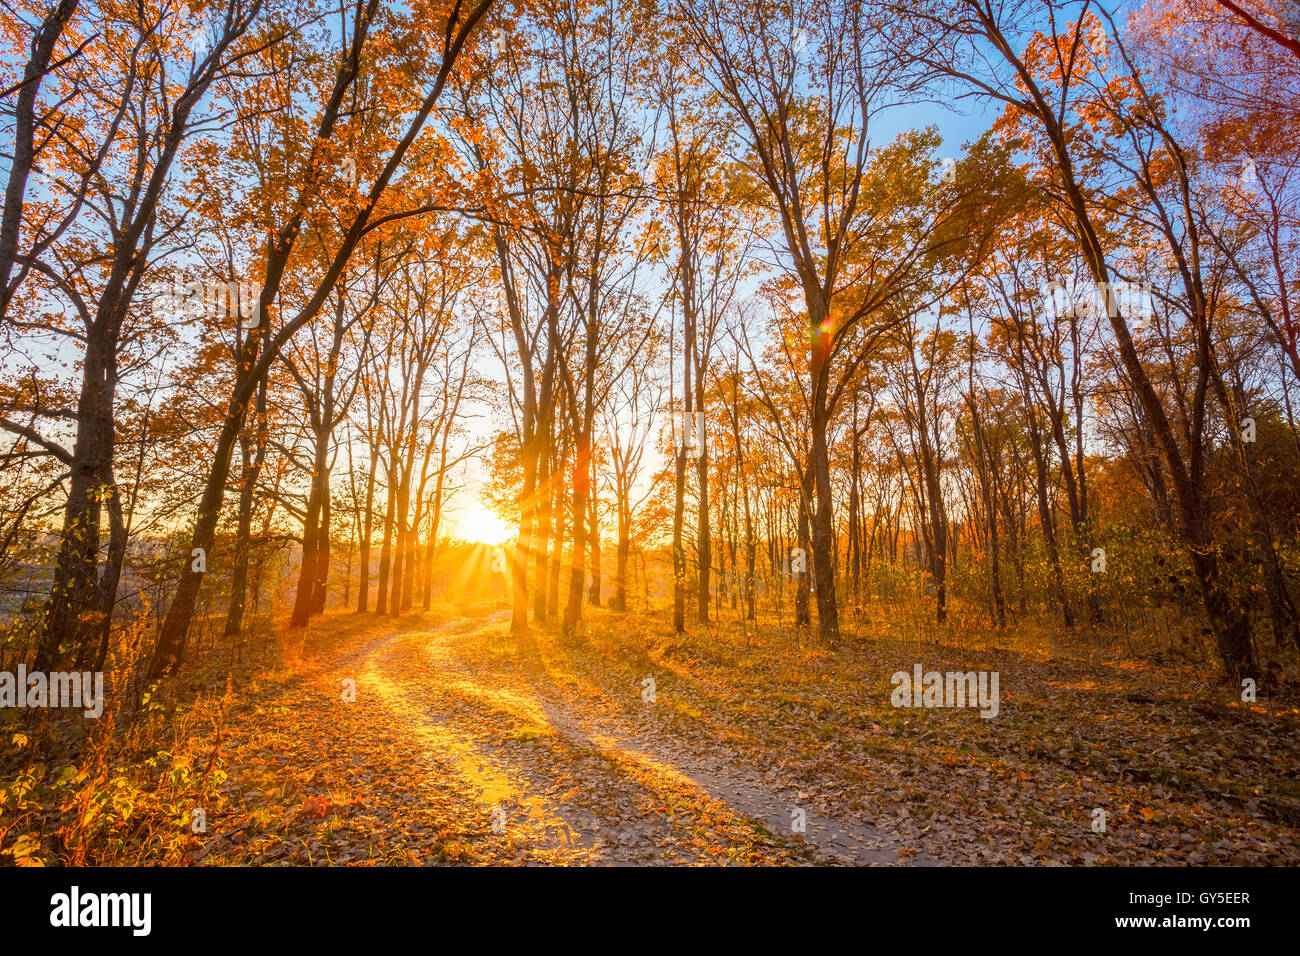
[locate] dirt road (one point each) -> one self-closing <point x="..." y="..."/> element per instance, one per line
<point x="418" y="746"/>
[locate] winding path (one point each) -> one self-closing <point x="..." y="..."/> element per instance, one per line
<point x="557" y="776"/>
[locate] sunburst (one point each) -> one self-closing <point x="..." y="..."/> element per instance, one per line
<point x="483" y="525"/>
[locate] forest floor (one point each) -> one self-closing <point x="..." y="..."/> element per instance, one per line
<point x="467" y="744"/>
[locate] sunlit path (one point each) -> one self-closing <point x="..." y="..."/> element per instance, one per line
<point x="553" y="780"/>
<point x="505" y="799"/>
<point x="565" y="796"/>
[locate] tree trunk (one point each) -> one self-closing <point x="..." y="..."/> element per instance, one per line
<point x="302" y="601"/>
<point x="363" y="588"/>
<point x="385" y="550"/>
<point x="802" y="614"/>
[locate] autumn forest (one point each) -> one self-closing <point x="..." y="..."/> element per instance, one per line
<point x="724" y="432"/>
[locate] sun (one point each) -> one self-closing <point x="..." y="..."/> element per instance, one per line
<point x="483" y="525"/>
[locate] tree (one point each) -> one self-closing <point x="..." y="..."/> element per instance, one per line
<point x="460" y="22"/>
